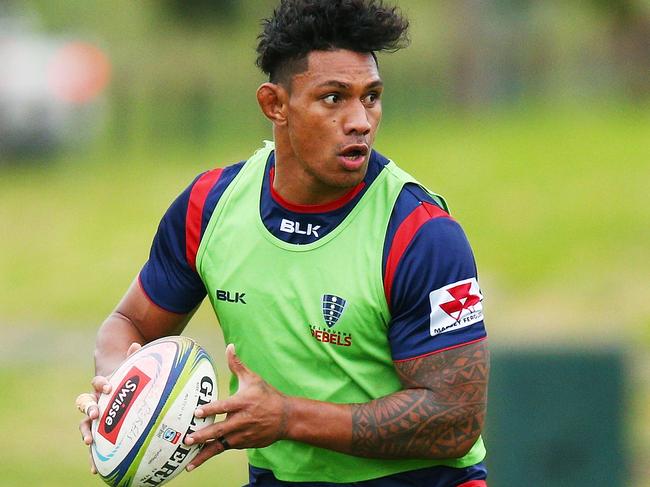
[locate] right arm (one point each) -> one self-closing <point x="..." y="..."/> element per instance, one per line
<point x="165" y="295"/>
<point x="168" y="290"/>
<point x="136" y="319"/>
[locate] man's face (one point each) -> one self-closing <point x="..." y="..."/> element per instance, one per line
<point x="333" y="113"/>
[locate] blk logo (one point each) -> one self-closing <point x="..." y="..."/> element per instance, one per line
<point x="230" y="297"/>
<point x="333" y="307"/>
<point x="289" y="226"/>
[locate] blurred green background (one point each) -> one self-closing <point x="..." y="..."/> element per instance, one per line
<point x="532" y="117"/>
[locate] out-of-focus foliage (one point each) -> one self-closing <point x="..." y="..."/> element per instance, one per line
<point x="197" y="12"/>
<point x="187" y="80"/>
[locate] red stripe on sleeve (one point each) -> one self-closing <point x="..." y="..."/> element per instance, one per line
<point x="402" y="360"/>
<point x="474" y="483"/>
<point x="194" y="216"/>
<point x="403" y="236"/>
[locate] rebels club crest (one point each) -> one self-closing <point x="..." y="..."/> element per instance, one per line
<point x="333" y="307"/>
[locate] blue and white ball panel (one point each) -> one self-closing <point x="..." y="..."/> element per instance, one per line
<point x="179" y="421"/>
<point x="138" y="437"/>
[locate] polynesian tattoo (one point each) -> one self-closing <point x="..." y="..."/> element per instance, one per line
<point x="439" y="414"/>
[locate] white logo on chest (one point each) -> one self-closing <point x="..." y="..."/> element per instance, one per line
<point x="289" y="226"/>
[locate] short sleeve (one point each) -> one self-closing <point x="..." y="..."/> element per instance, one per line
<point x="435" y="299"/>
<point x="167" y="278"/>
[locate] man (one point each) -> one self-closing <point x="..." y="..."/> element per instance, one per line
<point x="349" y="292"/>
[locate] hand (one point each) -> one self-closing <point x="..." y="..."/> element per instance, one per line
<point x="87" y="403"/>
<point x="256" y="415"/>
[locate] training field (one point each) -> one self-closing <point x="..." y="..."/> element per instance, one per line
<point x="553" y="201"/>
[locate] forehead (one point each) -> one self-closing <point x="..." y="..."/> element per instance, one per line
<point x="339" y="65"/>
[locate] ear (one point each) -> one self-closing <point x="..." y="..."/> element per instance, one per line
<point x="273" y="99"/>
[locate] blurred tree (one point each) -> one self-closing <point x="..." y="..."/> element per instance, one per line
<point x="619" y="8"/>
<point x="496" y="52"/>
<point x="198" y="12"/>
<point x="629" y="24"/>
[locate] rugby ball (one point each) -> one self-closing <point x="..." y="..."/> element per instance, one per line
<point x="138" y="436"/>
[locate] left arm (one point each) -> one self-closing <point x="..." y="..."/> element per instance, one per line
<point x="438" y="414"/>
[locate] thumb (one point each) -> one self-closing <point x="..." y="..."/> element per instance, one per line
<point x="134" y="347"/>
<point x="235" y="365"/>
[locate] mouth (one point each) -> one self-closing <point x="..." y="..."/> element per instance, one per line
<point x="354" y="153"/>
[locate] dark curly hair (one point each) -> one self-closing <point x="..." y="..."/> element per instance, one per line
<point x="298" y="27"/>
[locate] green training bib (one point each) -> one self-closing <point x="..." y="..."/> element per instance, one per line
<point x="312" y="320"/>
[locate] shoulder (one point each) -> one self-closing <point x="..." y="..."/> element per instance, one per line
<point x="205" y="189"/>
<point x="414" y="197"/>
<point x="430" y="280"/>
<point x="202" y="198"/>
<point x="416" y="216"/>
<point x="208" y="186"/>
<point x="189" y="214"/>
<point x="169" y="276"/>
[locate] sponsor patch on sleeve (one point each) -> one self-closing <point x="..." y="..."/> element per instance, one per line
<point x="455" y="306"/>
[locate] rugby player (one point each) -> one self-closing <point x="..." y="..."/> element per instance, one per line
<point x="348" y="293"/>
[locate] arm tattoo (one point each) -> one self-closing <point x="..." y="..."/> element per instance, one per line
<point x="439" y="414"/>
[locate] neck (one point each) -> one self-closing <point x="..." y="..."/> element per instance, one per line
<point x="294" y="184"/>
<point x="314" y="208"/>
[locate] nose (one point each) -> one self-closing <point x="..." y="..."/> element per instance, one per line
<point x="357" y="121"/>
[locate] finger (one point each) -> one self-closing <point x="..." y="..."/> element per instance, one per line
<point x="134" y="347"/>
<point x="208" y="451"/>
<point x="93" y="468"/>
<point x="101" y="385"/>
<point x="86" y="432"/>
<point x="205" y="434"/>
<point x="223" y="406"/>
<point x="235" y="365"/>
<point x="87" y="404"/>
<point x="228" y="427"/>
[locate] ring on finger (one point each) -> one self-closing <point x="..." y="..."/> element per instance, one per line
<point x="85" y="401"/>
<point x="224" y="442"/>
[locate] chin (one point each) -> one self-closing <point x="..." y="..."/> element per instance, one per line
<point x="349" y="179"/>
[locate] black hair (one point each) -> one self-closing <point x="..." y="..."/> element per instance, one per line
<point x="298" y="27"/>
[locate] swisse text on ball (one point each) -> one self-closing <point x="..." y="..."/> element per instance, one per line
<point x="122" y="400"/>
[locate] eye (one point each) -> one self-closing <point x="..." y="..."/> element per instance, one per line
<point x="371" y="98"/>
<point x="331" y="99"/>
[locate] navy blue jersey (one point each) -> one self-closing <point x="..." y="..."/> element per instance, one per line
<point x="473" y="476"/>
<point x="430" y="275"/>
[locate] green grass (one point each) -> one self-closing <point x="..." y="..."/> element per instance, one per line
<point x="553" y="202"/>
